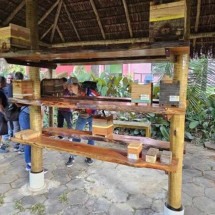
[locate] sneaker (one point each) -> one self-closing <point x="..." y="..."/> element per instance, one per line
<point x="3" y="150"/>
<point x="28" y="168"/>
<point x="20" y="151"/>
<point x="89" y="161"/>
<point x="16" y="147"/>
<point x="70" y="162"/>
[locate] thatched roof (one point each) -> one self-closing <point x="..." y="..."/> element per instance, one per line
<point x="80" y="22"/>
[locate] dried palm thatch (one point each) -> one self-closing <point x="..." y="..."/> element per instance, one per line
<point x="104" y="22"/>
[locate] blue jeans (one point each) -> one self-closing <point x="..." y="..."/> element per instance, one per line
<point x="80" y="125"/>
<point x="24" y="122"/>
<point x="13" y="127"/>
<point x="61" y="115"/>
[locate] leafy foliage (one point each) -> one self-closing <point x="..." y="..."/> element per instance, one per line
<point x="200" y="116"/>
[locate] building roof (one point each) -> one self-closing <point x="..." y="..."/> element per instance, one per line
<point x="71" y="25"/>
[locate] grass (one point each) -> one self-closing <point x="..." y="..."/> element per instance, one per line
<point x="38" y="209"/>
<point x="1" y="199"/>
<point x="63" y="198"/>
<point x="19" y="206"/>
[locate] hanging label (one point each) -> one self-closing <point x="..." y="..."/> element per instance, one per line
<point x="174" y="98"/>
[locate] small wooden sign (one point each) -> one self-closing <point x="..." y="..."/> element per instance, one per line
<point x="141" y="93"/>
<point x="169" y="93"/>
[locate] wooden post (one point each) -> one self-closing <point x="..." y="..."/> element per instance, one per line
<point x="35" y="112"/>
<point x="177" y="132"/>
<point x="51" y="109"/>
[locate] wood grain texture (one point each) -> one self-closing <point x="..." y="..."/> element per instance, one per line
<point x="100" y="105"/>
<point x="99" y="153"/>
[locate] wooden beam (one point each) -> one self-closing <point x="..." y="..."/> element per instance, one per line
<point x="127" y="18"/>
<point x="71" y="21"/>
<point x="197" y="15"/>
<point x="202" y="35"/>
<point x="47" y="31"/>
<point x="98" y="19"/>
<point x="198" y="10"/>
<point x="85" y="103"/>
<point x="48" y="12"/>
<point x="101" y="42"/>
<point x="59" y="32"/>
<point x="13" y="14"/>
<point x="177" y="126"/>
<point x="187" y="20"/>
<point x="31" y="64"/>
<point x="56" y="20"/>
<point x="35" y="111"/>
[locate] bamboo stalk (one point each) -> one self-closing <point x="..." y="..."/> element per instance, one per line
<point x="127" y="18"/>
<point x="101" y="42"/>
<point x="35" y="111"/>
<point x="177" y="133"/>
<point x="13" y="14"/>
<point x="97" y="18"/>
<point x="51" y="109"/>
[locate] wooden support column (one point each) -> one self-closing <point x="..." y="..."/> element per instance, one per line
<point x="177" y="132"/>
<point x="51" y="109"/>
<point x="35" y="112"/>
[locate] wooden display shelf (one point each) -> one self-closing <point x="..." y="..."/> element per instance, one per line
<point x="100" y="104"/>
<point x="117" y="139"/>
<point x="99" y="153"/>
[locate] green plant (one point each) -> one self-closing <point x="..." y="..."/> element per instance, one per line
<point x="200" y="115"/>
<point x="38" y="209"/>
<point x="2" y="199"/>
<point x="63" y="198"/>
<point x="19" y="206"/>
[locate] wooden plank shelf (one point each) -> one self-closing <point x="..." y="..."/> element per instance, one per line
<point x="99" y="153"/>
<point x="111" y="105"/>
<point x="117" y="139"/>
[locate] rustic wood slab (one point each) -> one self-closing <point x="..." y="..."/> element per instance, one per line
<point x="118" y="139"/>
<point x="99" y="153"/>
<point x="100" y="105"/>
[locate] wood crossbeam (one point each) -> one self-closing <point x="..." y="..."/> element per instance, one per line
<point x="71" y="21"/>
<point x="56" y="20"/>
<point x="197" y="20"/>
<point x="98" y="19"/>
<point x="13" y="14"/>
<point x="48" y="12"/>
<point x="127" y="18"/>
<point x="60" y="33"/>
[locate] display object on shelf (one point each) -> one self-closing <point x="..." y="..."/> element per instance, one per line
<point x="151" y="155"/>
<point x="141" y="93"/>
<point x="166" y="157"/>
<point x="169" y="94"/>
<point x="103" y="126"/>
<point x="22" y="89"/>
<point x="13" y="37"/>
<point x="52" y="87"/>
<point x="134" y="150"/>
